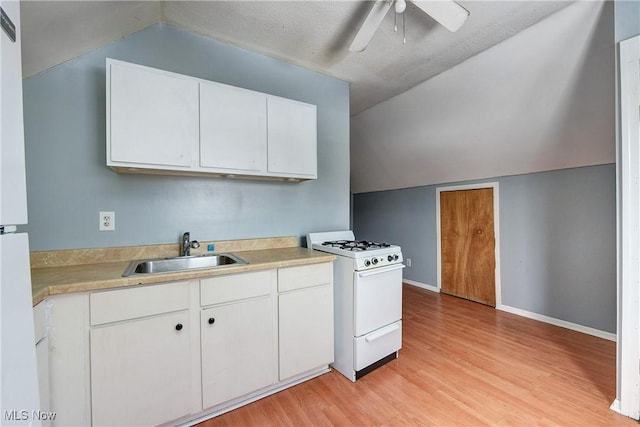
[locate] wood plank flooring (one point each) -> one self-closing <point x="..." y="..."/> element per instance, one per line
<point x="462" y="364"/>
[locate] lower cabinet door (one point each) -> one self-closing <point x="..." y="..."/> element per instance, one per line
<point x="239" y="350"/>
<point x="305" y="330"/>
<point x="141" y="371"/>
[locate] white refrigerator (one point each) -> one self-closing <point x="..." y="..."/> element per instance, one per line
<point x="19" y="392"/>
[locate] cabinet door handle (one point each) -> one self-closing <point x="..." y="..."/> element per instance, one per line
<point x="212" y="320"/>
<point x="179" y="327"/>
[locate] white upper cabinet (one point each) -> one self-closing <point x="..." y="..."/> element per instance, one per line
<point x="152" y="117"/>
<point x="166" y="123"/>
<point x="292" y="137"/>
<point x="233" y="128"/>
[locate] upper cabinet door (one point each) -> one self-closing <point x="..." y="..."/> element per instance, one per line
<point x="153" y="117"/>
<point x="292" y="136"/>
<point x="13" y="188"/>
<point x="233" y="128"/>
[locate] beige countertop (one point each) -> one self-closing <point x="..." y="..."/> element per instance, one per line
<point x="60" y="279"/>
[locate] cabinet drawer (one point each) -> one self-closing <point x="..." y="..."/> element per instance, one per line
<point x="221" y="289"/>
<point x="304" y="276"/>
<point x="124" y="304"/>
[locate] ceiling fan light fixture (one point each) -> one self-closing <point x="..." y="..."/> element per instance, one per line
<point x="400" y="6"/>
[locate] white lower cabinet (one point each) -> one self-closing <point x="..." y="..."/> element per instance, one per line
<point x="238" y="351"/>
<point x="305" y="313"/>
<point x="141" y="347"/>
<point x="141" y="371"/>
<point x="171" y="352"/>
<point x="42" y="358"/>
<point x="238" y="335"/>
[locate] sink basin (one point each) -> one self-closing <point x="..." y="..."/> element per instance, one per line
<point x="168" y="265"/>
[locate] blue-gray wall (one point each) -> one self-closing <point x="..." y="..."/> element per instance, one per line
<point x="68" y="182"/>
<point x="627" y="19"/>
<point x="557" y="240"/>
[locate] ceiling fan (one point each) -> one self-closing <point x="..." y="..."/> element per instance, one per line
<point x="447" y="12"/>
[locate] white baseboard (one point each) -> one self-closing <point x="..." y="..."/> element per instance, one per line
<point x="531" y="315"/>
<point x="557" y="322"/>
<point x="615" y="406"/>
<point x="421" y="285"/>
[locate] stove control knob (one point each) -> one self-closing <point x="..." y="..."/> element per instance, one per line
<point x="374" y="261"/>
<point x="367" y="263"/>
<point x="390" y="258"/>
<point x="395" y="257"/>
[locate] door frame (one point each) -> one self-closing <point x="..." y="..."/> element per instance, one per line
<point x="628" y="175"/>
<point x="496" y="231"/>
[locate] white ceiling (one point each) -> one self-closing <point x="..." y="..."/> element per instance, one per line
<point x="542" y="100"/>
<point x="313" y="34"/>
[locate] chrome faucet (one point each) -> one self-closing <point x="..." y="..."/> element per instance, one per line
<point x="187" y="244"/>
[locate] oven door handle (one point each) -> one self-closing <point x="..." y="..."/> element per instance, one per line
<point x="381" y="333"/>
<point x="381" y="270"/>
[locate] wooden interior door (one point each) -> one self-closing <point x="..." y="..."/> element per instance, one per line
<point x="468" y="245"/>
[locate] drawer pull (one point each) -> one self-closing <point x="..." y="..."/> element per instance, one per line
<point x="374" y="336"/>
<point x="179" y="327"/>
<point x="212" y="320"/>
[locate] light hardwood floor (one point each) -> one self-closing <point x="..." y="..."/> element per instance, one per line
<point x="462" y="363"/>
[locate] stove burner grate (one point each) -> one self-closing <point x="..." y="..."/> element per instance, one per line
<point x="356" y="245"/>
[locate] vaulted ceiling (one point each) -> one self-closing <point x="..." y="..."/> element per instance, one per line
<point x="312" y="34"/>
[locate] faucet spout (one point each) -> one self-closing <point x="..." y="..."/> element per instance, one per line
<point x="187" y="244"/>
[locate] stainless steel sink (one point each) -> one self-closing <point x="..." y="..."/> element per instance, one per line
<point x="168" y="265"/>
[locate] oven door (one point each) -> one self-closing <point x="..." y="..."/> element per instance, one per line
<point x="377" y="298"/>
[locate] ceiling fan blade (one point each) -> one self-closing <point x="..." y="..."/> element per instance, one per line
<point x="447" y="12"/>
<point x="370" y="25"/>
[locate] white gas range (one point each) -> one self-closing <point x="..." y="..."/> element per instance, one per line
<point x="367" y="301"/>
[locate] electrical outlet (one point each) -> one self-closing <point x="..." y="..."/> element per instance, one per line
<point x="408" y="262"/>
<point x="107" y="221"/>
